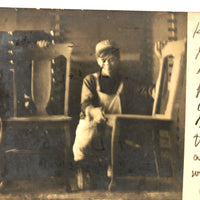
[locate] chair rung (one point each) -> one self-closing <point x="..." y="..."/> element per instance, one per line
<point x="28" y="151"/>
<point x="165" y="148"/>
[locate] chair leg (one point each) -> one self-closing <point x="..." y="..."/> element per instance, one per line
<point x="67" y="155"/>
<point x="174" y="155"/>
<point x="114" y="146"/>
<point x="3" y="170"/>
<point x="80" y="179"/>
<point x="154" y="153"/>
<point x="156" y="162"/>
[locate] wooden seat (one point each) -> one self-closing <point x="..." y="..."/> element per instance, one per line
<point x="38" y="121"/>
<point x="163" y="113"/>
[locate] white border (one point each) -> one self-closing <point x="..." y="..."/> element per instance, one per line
<point x="142" y="5"/>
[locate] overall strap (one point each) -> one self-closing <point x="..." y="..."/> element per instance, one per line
<point x="116" y="102"/>
<point x="120" y="88"/>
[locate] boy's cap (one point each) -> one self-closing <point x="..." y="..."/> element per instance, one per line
<point x="105" y="45"/>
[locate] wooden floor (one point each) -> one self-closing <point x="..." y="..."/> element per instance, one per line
<point x="54" y="188"/>
<point x="95" y="195"/>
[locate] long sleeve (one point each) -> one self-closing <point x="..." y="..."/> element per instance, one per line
<point x="135" y="98"/>
<point x="88" y="94"/>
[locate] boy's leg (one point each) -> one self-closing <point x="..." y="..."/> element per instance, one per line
<point x="85" y="174"/>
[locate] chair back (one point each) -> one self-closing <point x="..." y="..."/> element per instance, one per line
<point x="168" y="80"/>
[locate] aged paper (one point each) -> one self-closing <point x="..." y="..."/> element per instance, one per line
<point x="191" y="184"/>
<point x="45" y="55"/>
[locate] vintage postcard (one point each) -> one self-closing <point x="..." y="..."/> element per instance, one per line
<point x="93" y="104"/>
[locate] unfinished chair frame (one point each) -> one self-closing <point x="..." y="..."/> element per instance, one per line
<point x="40" y="122"/>
<point x="155" y="121"/>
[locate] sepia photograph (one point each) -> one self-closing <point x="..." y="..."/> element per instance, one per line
<point x="92" y="104"/>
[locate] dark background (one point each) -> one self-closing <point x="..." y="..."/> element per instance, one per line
<point x="135" y="34"/>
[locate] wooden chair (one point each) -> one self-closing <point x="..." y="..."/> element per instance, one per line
<point x="158" y="120"/>
<point x="39" y="121"/>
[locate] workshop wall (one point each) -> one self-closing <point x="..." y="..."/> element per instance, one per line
<point x="134" y="32"/>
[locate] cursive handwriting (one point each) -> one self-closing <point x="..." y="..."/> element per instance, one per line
<point x="197" y="30"/>
<point x="195" y="157"/>
<point x="197" y="55"/>
<point x="198" y="108"/>
<point x="195" y="137"/>
<point x="197" y="140"/>
<point x="198" y="91"/>
<point x="196" y="123"/>
<point x="198" y="71"/>
<point x="195" y="173"/>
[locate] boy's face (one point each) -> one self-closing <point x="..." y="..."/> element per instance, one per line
<point x="109" y="64"/>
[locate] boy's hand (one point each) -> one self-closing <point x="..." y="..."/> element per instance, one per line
<point x="96" y="113"/>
